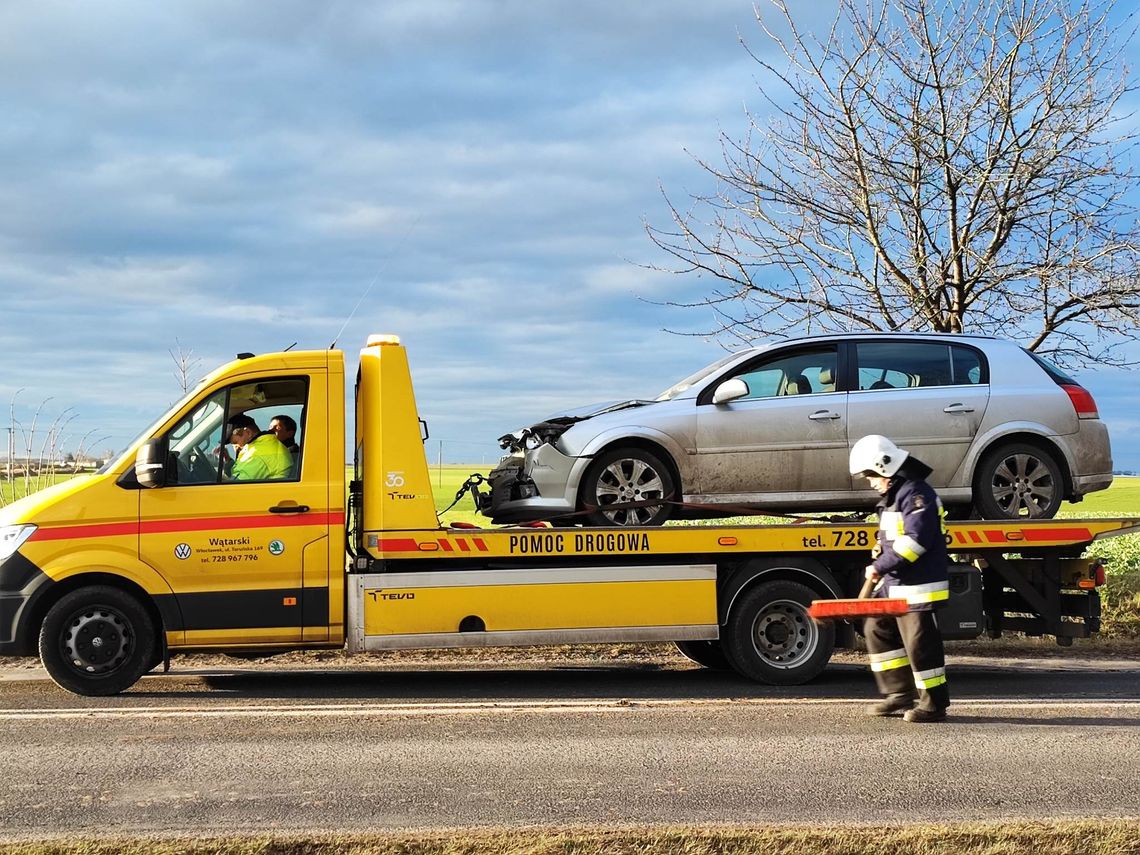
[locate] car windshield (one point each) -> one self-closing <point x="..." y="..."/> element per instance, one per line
<point x="695" y="378"/>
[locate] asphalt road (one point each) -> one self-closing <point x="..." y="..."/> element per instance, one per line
<point x="382" y="750"/>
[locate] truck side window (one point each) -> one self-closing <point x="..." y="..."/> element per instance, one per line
<point x="201" y="446"/>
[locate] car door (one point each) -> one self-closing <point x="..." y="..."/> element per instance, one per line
<point x="926" y="396"/>
<point x="246" y="559"/>
<point x="786" y="435"/>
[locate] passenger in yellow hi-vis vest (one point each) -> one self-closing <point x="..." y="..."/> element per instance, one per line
<point x="260" y="455"/>
<point x="910" y="562"/>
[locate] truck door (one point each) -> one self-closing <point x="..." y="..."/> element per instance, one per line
<point x="243" y="543"/>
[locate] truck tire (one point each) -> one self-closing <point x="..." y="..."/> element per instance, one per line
<point x="706" y="653"/>
<point x="627" y="475"/>
<point x="1018" y="480"/>
<point x="770" y="638"/>
<point x="97" y="641"/>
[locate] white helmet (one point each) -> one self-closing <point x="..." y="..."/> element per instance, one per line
<point x="874" y="453"/>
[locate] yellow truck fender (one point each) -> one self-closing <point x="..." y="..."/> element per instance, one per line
<point x="69" y="570"/>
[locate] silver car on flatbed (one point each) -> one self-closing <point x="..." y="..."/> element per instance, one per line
<point x="769" y="428"/>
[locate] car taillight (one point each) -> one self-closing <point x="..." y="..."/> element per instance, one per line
<point x="1082" y="400"/>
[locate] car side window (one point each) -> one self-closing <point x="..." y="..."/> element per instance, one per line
<point x="800" y="373"/>
<point x="967" y="366"/>
<point x="903" y="364"/>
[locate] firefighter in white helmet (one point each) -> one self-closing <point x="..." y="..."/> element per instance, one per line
<point x="909" y="562"/>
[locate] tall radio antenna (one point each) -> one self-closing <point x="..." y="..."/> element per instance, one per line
<point x="372" y="284"/>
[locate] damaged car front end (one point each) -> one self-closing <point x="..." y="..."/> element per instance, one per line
<point x="539" y="476"/>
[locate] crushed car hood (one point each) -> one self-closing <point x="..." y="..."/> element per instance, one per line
<point x="552" y="426"/>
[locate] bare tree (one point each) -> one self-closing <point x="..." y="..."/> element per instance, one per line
<point x="185" y="364"/>
<point x="928" y="165"/>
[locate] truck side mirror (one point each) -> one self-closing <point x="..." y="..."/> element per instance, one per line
<point x="730" y="390"/>
<point x="150" y="463"/>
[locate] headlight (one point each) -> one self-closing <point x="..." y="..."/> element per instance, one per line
<point x="12" y="537"/>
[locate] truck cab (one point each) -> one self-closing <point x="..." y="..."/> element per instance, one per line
<point x="181" y="551"/>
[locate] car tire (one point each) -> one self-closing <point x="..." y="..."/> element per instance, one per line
<point x="624" y="475"/>
<point x="707" y="653"/>
<point x="97" y="641"/>
<point x="1018" y="481"/>
<point x="770" y="638"/>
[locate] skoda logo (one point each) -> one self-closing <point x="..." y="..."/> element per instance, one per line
<point x="182" y="551"/>
<point x="276" y="547"/>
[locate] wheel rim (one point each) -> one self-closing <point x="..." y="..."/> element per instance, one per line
<point x="629" y="479"/>
<point x="1023" y="486"/>
<point x="784" y="635"/>
<point x="97" y="640"/>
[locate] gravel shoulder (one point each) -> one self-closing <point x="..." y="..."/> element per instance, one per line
<point x="1093" y="654"/>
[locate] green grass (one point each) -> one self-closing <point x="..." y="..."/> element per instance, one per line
<point x="1050" y="837"/>
<point x="20" y="487"/>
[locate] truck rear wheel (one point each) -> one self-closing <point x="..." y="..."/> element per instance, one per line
<point x="97" y="641"/>
<point x="771" y="638"/>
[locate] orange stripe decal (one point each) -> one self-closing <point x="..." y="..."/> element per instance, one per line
<point x="399" y="544"/>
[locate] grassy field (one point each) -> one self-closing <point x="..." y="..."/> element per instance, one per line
<point x="1102" y="837"/>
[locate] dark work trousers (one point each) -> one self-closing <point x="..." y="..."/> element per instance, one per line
<point x="906" y="658"/>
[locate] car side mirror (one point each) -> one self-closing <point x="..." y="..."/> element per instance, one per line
<point x="150" y="463"/>
<point x="730" y="390"/>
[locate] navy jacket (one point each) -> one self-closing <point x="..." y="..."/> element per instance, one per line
<point x="913" y="563"/>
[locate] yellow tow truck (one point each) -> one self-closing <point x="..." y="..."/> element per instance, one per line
<point x="168" y="550"/>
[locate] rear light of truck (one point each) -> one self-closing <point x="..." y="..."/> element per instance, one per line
<point x="1082" y="400"/>
<point x="1097" y="576"/>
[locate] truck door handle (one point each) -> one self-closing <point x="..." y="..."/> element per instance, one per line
<point x="958" y="408"/>
<point x="821" y="415"/>
<point x="289" y="509"/>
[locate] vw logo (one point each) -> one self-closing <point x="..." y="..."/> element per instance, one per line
<point x="182" y="551"/>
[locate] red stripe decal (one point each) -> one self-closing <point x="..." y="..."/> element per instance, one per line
<point x="1072" y="534"/>
<point x="398" y="545"/>
<point x="447" y="547"/>
<point x="974" y="536"/>
<point x="79" y="532"/>
<point x="482" y="546"/>
<point x="463" y="547"/>
<point x="995" y="536"/>
<point x="961" y="537"/>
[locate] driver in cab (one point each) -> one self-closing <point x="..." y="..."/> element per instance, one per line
<point x="260" y="455"/>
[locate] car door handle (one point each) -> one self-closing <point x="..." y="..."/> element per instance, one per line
<point x="958" y="408"/>
<point x="821" y="415"/>
<point x="289" y="509"/>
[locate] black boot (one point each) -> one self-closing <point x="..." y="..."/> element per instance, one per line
<point x="918" y="715"/>
<point x="891" y="704"/>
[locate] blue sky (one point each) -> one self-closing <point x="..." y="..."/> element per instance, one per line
<point x="235" y="176"/>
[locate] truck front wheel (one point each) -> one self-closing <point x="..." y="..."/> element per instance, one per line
<point x="97" y="641"/>
<point x="771" y="638"/>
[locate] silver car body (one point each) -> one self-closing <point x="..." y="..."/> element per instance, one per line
<point x="790" y="451"/>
